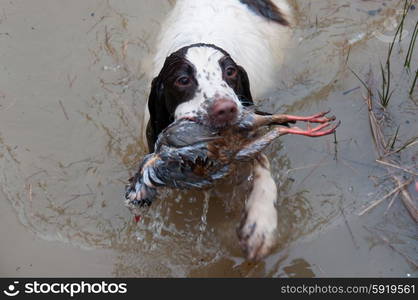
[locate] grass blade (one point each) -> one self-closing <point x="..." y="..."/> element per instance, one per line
<point x="411" y="47"/>
<point x="414" y="83"/>
<point x="362" y="81"/>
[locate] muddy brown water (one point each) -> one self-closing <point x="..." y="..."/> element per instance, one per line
<point x="72" y="95"/>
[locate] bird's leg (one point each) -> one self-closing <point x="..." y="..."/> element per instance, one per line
<point x="317" y="118"/>
<point x="311" y="132"/>
<point x="280" y="119"/>
<point x="250" y="150"/>
<point x="253" y="148"/>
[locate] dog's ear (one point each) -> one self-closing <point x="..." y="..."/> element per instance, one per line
<point x="244" y="88"/>
<point x="159" y="117"/>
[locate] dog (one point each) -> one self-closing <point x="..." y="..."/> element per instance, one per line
<point x="208" y="53"/>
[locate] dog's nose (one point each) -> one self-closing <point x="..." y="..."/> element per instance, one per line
<point x="223" y="112"/>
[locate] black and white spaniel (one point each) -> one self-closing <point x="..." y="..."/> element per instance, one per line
<point x="208" y="54"/>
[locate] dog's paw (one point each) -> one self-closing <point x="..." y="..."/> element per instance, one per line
<point x="257" y="234"/>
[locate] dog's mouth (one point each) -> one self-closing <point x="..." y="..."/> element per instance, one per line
<point x="212" y="123"/>
<point x="218" y="123"/>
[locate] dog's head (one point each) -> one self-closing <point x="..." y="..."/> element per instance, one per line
<point x="202" y="81"/>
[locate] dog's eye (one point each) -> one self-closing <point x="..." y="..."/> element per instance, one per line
<point x="231" y="72"/>
<point x="183" y="81"/>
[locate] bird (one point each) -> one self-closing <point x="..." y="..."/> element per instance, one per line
<point x="190" y="153"/>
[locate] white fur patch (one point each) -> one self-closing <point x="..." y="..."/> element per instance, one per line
<point x="258" y="230"/>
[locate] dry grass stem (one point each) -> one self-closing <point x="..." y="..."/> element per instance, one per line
<point x="396" y="167"/>
<point x="377" y="202"/>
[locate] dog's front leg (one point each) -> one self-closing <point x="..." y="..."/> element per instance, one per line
<point x="257" y="230"/>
